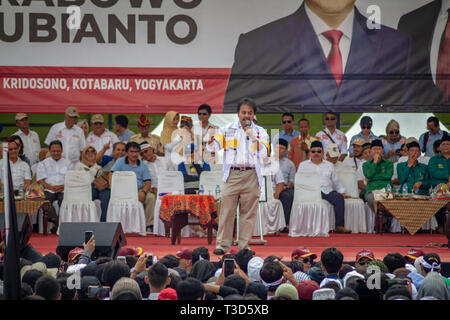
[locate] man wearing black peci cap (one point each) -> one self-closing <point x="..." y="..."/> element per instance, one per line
<point x="378" y="171"/>
<point x="413" y="173"/>
<point x="328" y="181"/>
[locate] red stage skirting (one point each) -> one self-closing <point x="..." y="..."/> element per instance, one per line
<point x="282" y="246"/>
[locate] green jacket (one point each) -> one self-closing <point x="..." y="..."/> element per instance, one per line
<point x="379" y="174"/>
<point x="439" y="169"/>
<point x="411" y="175"/>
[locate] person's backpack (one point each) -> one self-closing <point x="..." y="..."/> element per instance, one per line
<point x="426" y="137"/>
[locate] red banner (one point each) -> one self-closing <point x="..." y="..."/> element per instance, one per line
<point x="111" y="90"/>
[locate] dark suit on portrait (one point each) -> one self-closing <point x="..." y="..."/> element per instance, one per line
<point x="282" y="66"/>
<point x="420" y="25"/>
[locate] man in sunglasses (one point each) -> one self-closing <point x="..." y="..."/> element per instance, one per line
<point x="333" y="135"/>
<point x="305" y="256"/>
<point x="393" y="141"/>
<point x="328" y="181"/>
<point x="288" y="133"/>
<point x="363" y="258"/>
<point x="204" y="128"/>
<point x="366" y="133"/>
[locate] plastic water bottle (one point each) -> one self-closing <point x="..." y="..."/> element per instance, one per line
<point x="21" y="191"/>
<point x="388" y="188"/>
<point x="202" y="190"/>
<point x="405" y="189"/>
<point x="217" y="191"/>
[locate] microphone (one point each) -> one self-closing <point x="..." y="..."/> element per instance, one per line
<point x="248" y="123"/>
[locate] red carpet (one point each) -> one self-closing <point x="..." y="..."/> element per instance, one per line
<point x="282" y="246"/>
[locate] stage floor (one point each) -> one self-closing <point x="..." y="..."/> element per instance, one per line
<point x="283" y="245"/>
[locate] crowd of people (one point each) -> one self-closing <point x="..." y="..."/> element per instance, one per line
<point x="239" y="275"/>
<point x="393" y="161"/>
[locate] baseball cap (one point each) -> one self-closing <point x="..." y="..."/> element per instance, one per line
<point x="168" y="294"/>
<point x="365" y="254"/>
<point x="74" y="253"/>
<point x="303" y="253"/>
<point x="414" y="254"/>
<point x="184" y="254"/>
<point x="145" y="145"/>
<point x="306" y="289"/>
<point x="333" y="150"/>
<point x="431" y="261"/>
<point x="97" y="118"/>
<point x="20" y="116"/>
<point x="411" y="139"/>
<point x="72" y="112"/>
<point x="358" y="141"/>
<point x="128" y="251"/>
<point x="366" y="120"/>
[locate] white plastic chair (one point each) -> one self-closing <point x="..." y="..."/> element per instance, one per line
<point x="355" y="212"/>
<point x="77" y="205"/>
<point x="310" y="215"/>
<point x="272" y="213"/>
<point x="124" y="205"/>
<point x="168" y="182"/>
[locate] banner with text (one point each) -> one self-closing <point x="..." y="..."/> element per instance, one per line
<point x="151" y="56"/>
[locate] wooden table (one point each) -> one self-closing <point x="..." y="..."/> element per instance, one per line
<point x="176" y="208"/>
<point x="412" y="213"/>
<point x="29" y="207"/>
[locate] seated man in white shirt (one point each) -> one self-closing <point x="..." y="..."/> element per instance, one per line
<point x="328" y="180"/>
<point x="20" y="170"/>
<point x="51" y="173"/>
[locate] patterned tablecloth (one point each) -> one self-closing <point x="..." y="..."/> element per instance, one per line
<point x="28" y="206"/>
<point x="413" y="214"/>
<point x="201" y="206"/>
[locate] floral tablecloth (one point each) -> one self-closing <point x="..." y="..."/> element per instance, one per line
<point x="200" y="206"/>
